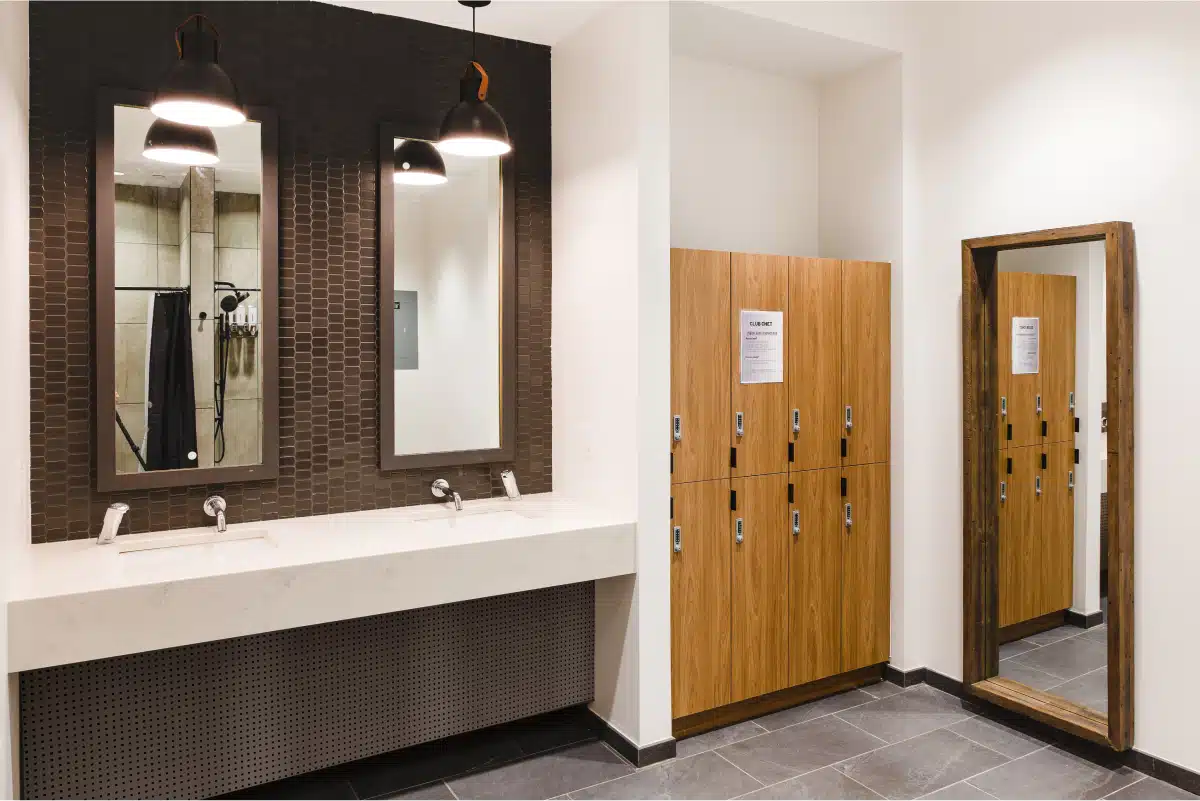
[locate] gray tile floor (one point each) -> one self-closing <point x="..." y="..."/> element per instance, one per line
<point x="1068" y="661"/>
<point x="881" y="741"/>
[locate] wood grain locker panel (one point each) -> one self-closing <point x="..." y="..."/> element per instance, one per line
<point x="700" y="364"/>
<point x="1058" y="356"/>
<point x="1020" y="522"/>
<point x="701" y="671"/>
<point x="1053" y="549"/>
<point x="760" y="586"/>
<point x="815" y="360"/>
<point x="866" y="360"/>
<point x="1018" y="295"/>
<point x="816" y="576"/>
<point x="866" y="567"/>
<point x="758" y="283"/>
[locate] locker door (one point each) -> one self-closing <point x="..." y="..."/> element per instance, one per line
<point x="1019" y="295"/>
<point x="758" y="283"/>
<point x="866" y="360"/>
<point x="1058" y="370"/>
<point x="816" y="575"/>
<point x="1052" y="551"/>
<point x="700" y="584"/>
<point x="1020" y="521"/>
<point x="760" y="586"/>
<point x="866" y="567"/>
<point x="814" y="361"/>
<point x="700" y="364"/>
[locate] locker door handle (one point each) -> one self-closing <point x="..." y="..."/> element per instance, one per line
<point x="1071" y="402"/>
<point x="849" y="516"/>
<point x="1037" y="484"/>
<point x="1003" y="406"/>
<point x="1039" y="404"/>
<point x="677" y="534"/>
<point x="677" y="428"/>
<point x="1070" y="481"/>
<point x="795" y="522"/>
<point x="739" y="529"/>
<point x="849" y="417"/>
<point x="1003" y="491"/>
<point x="740" y="423"/>
<point x="795" y="421"/>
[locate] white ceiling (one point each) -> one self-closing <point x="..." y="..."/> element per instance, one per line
<point x="539" y="21"/>
<point x="238" y="147"/>
<point x="730" y="35"/>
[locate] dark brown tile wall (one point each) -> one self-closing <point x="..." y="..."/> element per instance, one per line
<point x="332" y="74"/>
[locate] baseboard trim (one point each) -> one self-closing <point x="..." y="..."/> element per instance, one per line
<point x="638" y="757"/>
<point x="1080" y="620"/>
<point x="1027" y="628"/>
<point x="1154" y="767"/>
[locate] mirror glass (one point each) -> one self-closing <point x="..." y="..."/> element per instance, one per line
<point x="188" y="278"/>
<point x="1054" y="468"/>
<point x="447" y="310"/>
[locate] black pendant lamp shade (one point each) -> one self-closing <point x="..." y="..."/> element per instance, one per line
<point x="197" y="91"/>
<point x="473" y="127"/>
<point x="173" y="143"/>
<point x="418" y="163"/>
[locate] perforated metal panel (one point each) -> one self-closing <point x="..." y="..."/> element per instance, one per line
<point x="202" y="720"/>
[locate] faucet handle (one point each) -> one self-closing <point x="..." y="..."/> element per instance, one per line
<point x="213" y="505"/>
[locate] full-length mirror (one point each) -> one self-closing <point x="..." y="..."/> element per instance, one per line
<point x="1048" y="476"/>
<point x="447" y="276"/>
<point x="185" y="302"/>
<point x="1054" y="454"/>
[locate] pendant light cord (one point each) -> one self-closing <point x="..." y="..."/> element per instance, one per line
<point x="473" y="9"/>
<point x="201" y="18"/>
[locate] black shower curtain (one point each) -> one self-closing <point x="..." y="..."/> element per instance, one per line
<point x="171" y="417"/>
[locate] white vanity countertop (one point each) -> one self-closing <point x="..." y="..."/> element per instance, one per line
<point x="75" y="601"/>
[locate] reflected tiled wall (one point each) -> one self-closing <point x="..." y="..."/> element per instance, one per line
<point x="147" y="248"/>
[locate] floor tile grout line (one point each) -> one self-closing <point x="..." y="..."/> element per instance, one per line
<point x="903" y="690"/>
<point x="1126" y="787"/>
<point x="761" y="784"/>
<point x="1006" y="764"/>
<point x="1077" y="678"/>
<point x="453" y="794"/>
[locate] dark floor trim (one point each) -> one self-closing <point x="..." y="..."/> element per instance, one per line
<point x="638" y="757"/>
<point x="1082" y="621"/>
<point x="904" y="678"/>
<point x="1027" y="628"/>
<point x="1152" y="766"/>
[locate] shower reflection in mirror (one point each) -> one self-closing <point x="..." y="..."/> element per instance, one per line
<point x="187" y="267"/>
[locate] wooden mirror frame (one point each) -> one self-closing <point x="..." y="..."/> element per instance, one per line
<point x="104" y="311"/>
<point x="389" y="132"/>
<point x="981" y="482"/>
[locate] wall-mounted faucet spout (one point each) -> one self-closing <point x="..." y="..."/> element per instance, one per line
<point x="441" y="489"/>
<point x="112" y="521"/>
<point x="214" y="506"/>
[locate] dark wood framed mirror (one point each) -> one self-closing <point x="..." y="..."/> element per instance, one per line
<point x="447" y="308"/>
<point x="1008" y="354"/>
<point x="185" y="304"/>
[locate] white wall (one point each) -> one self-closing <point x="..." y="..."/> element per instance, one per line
<point x="611" y="333"/>
<point x="1085" y="261"/>
<point x="448" y="251"/>
<point x="743" y="160"/>
<point x="14" y="327"/>
<point x="860" y="205"/>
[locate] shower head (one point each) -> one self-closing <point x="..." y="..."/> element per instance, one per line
<point x="231" y="302"/>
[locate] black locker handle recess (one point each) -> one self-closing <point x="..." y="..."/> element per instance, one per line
<point x="733" y="500"/>
<point x="791" y="493"/>
<point x="843" y="486"/>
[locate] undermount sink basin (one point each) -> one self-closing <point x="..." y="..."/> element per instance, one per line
<point x="136" y="543"/>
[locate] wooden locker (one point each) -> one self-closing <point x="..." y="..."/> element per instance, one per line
<point x="1018" y="295"/>
<point x="816" y="575"/>
<point x="1058" y="356"/>
<point x="866" y="567"/>
<point x="700" y="602"/>
<point x="866" y="360"/>
<point x="1052" y="549"/>
<point x="815" y="361"/>
<point x="1020" y="520"/>
<point x="700" y="364"/>
<point x="758" y="283"/>
<point x="760" y="585"/>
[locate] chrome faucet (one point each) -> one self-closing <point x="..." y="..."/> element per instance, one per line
<point x="441" y="489"/>
<point x="214" y="506"/>
<point x="112" y="521"/>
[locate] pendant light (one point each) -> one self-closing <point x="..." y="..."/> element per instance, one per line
<point x="418" y="163"/>
<point x="197" y="91"/>
<point x="193" y="145"/>
<point x="473" y="127"/>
